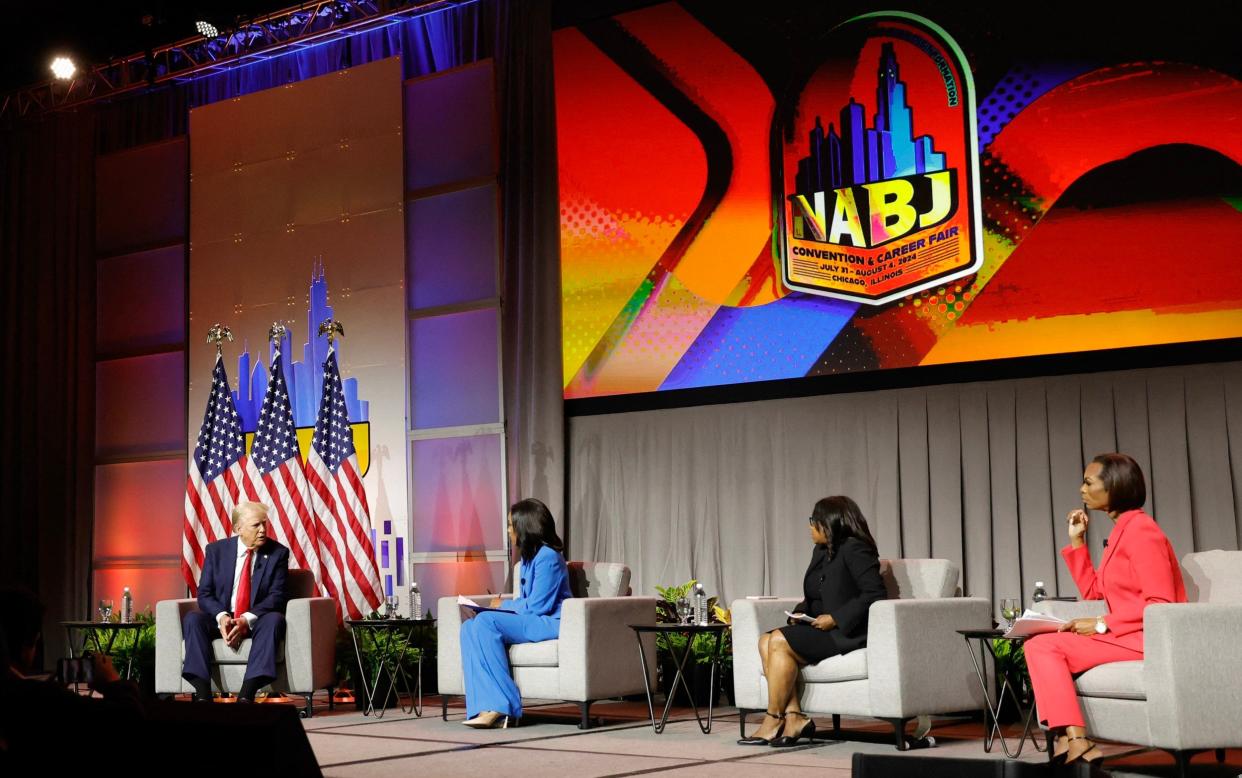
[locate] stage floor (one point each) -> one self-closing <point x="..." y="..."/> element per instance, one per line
<point x="549" y="745"/>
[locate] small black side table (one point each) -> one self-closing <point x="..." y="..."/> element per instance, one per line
<point x="990" y="719"/>
<point x="89" y="631"/>
<point x="689" y="630"/>
<point x="390" y="636"/>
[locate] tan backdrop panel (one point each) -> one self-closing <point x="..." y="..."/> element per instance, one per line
<point x="279" y="181"/>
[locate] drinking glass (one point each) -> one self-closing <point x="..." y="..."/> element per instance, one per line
<point x="683" y="610"/>
<point x="392" y="607"/>
<point x="105" y="610"/>
<point x="1010" y="610"/>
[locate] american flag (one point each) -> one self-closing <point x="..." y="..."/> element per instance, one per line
<point x="339" y="503"/>
<point x="275" y="476"/>
<point x="216" y="473"/>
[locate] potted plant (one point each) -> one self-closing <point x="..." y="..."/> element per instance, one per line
<point x="135" y="648"/>
<point x="1011" y="668"/>
<point x="378" y="651"/>
<point x="698" y="665"/>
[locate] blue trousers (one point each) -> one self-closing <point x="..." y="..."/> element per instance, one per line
<point x="199" y="630"/>
<point x="485" y="640"/>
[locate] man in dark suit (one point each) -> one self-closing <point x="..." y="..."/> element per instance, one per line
<point x="241" y="594"/>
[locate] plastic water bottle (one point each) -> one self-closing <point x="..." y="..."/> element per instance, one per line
<point x="127" y="607"/>
<point x="1041" y="593"/>
<point x="416" y="601"/>
<point x="700" y="604"/>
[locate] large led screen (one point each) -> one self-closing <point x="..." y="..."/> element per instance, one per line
<point x="754" y="193"/>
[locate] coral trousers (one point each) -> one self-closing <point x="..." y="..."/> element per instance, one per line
<point x="1054" y="659"/>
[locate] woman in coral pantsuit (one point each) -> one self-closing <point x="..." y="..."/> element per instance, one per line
<point x="1138" y="568"/>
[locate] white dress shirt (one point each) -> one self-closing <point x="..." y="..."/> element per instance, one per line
<point x="237" y="571"/>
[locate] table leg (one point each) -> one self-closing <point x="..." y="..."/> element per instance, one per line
<point x="367" y="691"/>
<point x="990" y="721"/>
<point x="642" y="656"/>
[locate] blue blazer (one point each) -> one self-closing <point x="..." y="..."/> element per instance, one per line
<point x="267" y="581"/>
<point x="544" y="583"/>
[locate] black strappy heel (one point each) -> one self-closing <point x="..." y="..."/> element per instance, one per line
<point x="807" y="731"/>
<point x="762" y="741"/>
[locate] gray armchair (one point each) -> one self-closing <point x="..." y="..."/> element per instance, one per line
<point x="1183" y="696"/>
<point x="594" y="658"/>
<point x="306" y="663"/>
<point x="914" y="664"/>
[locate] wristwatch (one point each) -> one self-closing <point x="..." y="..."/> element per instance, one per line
<point x="1101" y="626"/>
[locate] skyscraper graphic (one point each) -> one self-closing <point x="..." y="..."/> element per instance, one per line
<point x="860" y="154"/>
<point x="304" y="378"/>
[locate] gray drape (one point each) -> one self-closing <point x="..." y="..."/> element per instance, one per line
<point x="980" y="473"/>
<point x="534" y="411"/>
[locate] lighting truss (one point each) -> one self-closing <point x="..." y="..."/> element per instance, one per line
<point x="260" y="38"/>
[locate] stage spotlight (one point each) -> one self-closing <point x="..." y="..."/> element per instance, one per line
<point x="206" y="29"/>
<point x="63" y="68"/>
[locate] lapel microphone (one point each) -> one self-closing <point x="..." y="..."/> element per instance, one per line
<point x="1105" y="542"/>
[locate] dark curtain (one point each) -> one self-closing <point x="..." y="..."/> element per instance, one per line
<point x="534" y="409"/>
<point x="47" y="285"/>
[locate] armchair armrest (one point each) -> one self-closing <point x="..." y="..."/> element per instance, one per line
<point x="1191" y="652"/>
<point x="916" y="661"/>
<point x="310" y="644"/>
<point x="752" y="618"/>
<point x="449" y="676"/>
<point x="597" y="652"/>
<point x="168" y="640"/>
<point x="1081" y="609"/>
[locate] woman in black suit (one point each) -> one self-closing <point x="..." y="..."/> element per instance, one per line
<point x="841" y="582"/>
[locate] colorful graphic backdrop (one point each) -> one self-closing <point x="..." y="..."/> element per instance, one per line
<point x="1110" y="188"/>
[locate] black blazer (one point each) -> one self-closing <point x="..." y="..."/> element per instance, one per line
<point x="847" y="585"/>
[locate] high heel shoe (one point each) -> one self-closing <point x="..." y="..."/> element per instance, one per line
<point x="807" y="731"/>
<point x="488" y="719"/>
<point x="1093" y="763"/>
<point x="761" y="741"/>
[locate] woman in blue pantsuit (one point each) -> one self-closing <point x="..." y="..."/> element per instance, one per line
<point x="492" y="698"/>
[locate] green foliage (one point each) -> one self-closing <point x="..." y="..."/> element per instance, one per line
<point x="1011" y="665"/>
<point x="377" y="647"/>
<point x="136" y="646"/>
<point x="702" y="645"/>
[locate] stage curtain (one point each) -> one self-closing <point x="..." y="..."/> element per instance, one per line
<point x="47" y="288"/>
<point x="980" y="473"/>
<point x="534" y="410"/>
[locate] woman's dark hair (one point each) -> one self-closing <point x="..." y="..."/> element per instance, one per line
<point x="1123" y="480"/>
<point x="840" y="519"/>
<point x="535" y="527"/>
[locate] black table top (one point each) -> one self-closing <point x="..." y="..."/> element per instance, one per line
<point x="685" y="628"/>
<point x="389" y="623"/>
<point x="985" y="633"/>
<point x="103" y="624"/>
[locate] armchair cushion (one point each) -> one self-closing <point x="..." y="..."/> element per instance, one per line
<point x="541" y="654"/>
<point x="843" y="667"/>
<point x="1119" y="680"/>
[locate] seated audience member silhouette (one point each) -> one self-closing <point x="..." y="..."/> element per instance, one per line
<point x="39" y="716"/>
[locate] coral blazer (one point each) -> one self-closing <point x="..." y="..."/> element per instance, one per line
<point x="1138" y="568"/>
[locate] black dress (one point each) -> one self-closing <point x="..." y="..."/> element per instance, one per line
<point x="843" y="587"/>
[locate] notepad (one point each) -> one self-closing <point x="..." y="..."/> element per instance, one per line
<point x="1031" y="623"/>
<point x="469" y="608"/>
<point x="801" y="617"/>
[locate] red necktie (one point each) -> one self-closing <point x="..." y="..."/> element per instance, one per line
<point x="242" y="601"/>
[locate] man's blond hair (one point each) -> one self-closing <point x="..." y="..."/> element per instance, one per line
<point x="246" y="508"/>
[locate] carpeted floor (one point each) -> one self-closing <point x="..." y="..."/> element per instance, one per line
<point x="548" y="744"/>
